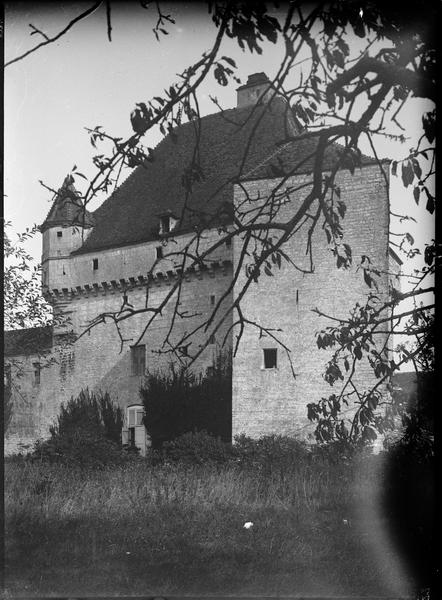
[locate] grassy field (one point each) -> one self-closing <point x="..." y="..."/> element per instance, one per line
<point x="138" y="529"/>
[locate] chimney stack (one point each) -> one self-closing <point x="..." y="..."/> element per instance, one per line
<point x="257" y="89"/>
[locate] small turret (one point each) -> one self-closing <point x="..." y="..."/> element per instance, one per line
<point x="64" y="230"/>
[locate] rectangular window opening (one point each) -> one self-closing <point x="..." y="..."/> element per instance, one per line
<point x="131" y="437"/>
<point x="134" y="417"/>
<point x="212" y="339"/>
<point x="212" y="300"/>
<point x="229" y="242"/>
<point x="8" y="376"/>
<point x="270" y="358"/>
<point x="159" y="252"/>
<point x="37" y="369"/>
<point x="138" y="359"/>
<point x="59" y="234"/>
<point x="95" y="264"/>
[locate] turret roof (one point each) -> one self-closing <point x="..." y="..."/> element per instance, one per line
<point x="67" y="208"/>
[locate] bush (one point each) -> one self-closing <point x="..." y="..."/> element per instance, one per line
<point x="269" y="452"/>
<point x="91" y="412"/>
<point x="87" y="433"/>
<point x="196" y="448"/>
<point x="266" y="454"/>
<point x="181" y="402"/>
<point x="79" y="448"/>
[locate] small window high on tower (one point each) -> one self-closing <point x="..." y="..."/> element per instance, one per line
<point x="270" y="358"/>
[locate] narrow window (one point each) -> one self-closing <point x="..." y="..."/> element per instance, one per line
<point x="139" y="417"/>
<point x="37" y="369"/>
<point x="270" y="358"/>
<point x="138" y="359"/>
<point x="210" y="371"/>
<point x="159" y="252"/>
<point x="229" y="242"/>
<point x="131" y="440"/>
<point x="212" y="300"/>
<point x="8" y="376"/>
<point x="95" y="264"/>
<point x="59" y="234"/>
<point x="212" y="339"/>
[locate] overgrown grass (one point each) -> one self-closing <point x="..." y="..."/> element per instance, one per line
<point x="143" y="529"/>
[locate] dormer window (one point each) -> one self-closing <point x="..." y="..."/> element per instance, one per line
<point x="167" y="223"/>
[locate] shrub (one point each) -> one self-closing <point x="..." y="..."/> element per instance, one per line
<point x="197" y="447"/>
<point x="181" y="402"/>
<point x="90" y="412"/>
<point x="79" y="448"/>
<point x="87" y="433"/>
<point x="269" y="452"/>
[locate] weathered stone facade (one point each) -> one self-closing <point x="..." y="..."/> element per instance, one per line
<point x="272" y="400"/>
<point x="85" y="275"/>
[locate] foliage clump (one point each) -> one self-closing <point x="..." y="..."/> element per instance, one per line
<point x="181" y="402"/>
<point x="197" y="448"/>
<point x="87" y="432"/>
<point x="269" y="452"/>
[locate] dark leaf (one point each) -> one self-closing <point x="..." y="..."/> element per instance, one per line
<point x="339" y="58"/>
<point x="230" y="61"/>
<point x="430" y="202"/>
<point x="407" y="173"/>
<point x="368" y="280"/>
<point x="416" y="194"/>
<point x="416" y="168"/>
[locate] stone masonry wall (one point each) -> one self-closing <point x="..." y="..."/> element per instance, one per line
<point x="270" y="400"/>
<point x="97" y="361"/>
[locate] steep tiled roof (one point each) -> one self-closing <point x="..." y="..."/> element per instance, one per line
<point x="237" y="144"/>
<point x="67" y="208"/>
<point x="27" y="341"/>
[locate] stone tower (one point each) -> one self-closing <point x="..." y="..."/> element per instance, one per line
<point x="64" y="230"/>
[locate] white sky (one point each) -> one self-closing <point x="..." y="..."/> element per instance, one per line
<point x="84" y="80"/>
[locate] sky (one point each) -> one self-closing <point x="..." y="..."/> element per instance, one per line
<point x="83" y="80"/>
